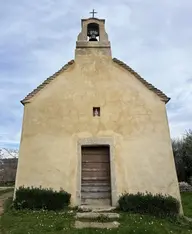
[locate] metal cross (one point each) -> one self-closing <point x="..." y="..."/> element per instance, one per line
<point x="93" y="13"/>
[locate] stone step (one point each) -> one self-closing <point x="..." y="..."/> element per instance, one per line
<point x="93" y="215"/>
<point x="108" y="225"/>
<point x="96" y="202"/>
<point x="88" y="208"/>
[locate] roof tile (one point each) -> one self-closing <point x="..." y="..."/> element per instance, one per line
<point x="65" y="67"/>
<point x="148" y="85"/>
<point x="47" y="81"/>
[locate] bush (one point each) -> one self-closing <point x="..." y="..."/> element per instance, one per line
<point x="185" y="187"/>
<point x="38" y="198"/>
<point x="157" y="205"/>
<point x="182" y="150"/>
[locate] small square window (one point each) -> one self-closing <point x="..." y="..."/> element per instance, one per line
<point x="96" y="111"/>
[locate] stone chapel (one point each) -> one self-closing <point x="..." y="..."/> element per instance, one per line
<point x="96" y="128"/>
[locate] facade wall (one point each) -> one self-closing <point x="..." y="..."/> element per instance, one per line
<point x="132" y="116"/>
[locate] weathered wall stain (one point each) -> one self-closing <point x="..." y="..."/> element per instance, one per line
<point x="134" y="116"/>
<point x="60" y="115"/>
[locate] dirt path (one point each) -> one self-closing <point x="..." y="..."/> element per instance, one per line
<point x="4" y="197"/>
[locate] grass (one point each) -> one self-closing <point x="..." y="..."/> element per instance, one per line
<point x="187" y="203"/>
<point x="41" y="222"/>
<point x="57" y="223"/>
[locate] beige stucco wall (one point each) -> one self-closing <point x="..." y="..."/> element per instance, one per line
<point x="61" y="114"/>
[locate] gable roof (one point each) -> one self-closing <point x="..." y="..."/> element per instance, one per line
<point x="122" y="64"/>
<point x="142" y="80"/>
<point x="46" y="82"/>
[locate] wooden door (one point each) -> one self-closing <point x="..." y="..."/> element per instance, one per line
<point x="95" y="176"/>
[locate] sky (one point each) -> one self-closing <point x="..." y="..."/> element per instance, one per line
<point x="37" y="38"/>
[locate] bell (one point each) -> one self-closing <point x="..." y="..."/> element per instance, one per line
<point x="93" y="35"/>
<point x="93" y="31"/>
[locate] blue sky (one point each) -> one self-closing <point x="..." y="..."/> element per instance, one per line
<point x="38" y="37"/>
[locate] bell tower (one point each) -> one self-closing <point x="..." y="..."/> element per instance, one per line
<point x="92" y="39"/>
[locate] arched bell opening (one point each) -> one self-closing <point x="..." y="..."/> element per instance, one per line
<point x="93" y="32"/>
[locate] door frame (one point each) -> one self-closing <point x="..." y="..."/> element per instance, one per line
<point x="94" y="141"/>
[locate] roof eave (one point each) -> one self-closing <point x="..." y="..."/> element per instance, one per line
<point x="45" y="83"/>
<point x="158" y="92"/>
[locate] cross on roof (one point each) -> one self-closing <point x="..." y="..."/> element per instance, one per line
<point x="93" y="13"/>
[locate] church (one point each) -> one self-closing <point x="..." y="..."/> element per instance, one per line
<point x="96" y="128"/>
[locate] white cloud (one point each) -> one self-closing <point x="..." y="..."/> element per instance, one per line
<point x="38" y="37"/>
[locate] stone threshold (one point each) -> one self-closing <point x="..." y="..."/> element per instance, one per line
<point x="107" y="225"/>
<point x="95" y="215"/>
<point x="87" y="208"/>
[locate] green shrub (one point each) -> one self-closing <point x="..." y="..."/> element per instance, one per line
<point x="148" y="203"/>
<point x="38" y="198"/>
